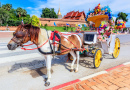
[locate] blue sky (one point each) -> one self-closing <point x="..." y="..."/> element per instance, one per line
<point x="34" y="7"/>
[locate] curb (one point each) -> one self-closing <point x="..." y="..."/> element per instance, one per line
<point x="87" y="77"/>
<point x="7" y="31"/>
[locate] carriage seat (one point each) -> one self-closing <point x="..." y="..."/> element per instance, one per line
<point x="90" y="38"/>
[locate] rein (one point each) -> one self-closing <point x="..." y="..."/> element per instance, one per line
<point x="53" y="43"/>
<point x="34" y="48"/>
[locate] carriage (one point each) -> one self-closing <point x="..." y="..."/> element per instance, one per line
<point x="98" y="49"/>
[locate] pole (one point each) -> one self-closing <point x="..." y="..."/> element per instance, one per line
<point x="66" y="28"/>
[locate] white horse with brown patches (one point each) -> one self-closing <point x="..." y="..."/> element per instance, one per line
<point x="25" y="33"/>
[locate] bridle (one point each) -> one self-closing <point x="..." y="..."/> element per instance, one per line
<point x="22" y="35"/>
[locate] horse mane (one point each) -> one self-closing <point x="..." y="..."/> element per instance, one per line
<point x="32" y="30"/>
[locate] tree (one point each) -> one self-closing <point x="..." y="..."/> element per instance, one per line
<point x="21" y="12"/>
<point x="4" y="16"/>
<point x="122" y="16"/>
<point x="7" y="7"/>
<point x="34" y="20"/>
<point x="48" y="13"/>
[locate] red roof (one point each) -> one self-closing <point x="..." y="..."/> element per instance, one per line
<point x="69" y="14"/>
<point x="74" y="15"/>
<point x="67" y="17"/>
<point x="77" y="18"/>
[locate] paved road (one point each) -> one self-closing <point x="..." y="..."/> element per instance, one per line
<point x="16" y="73"/>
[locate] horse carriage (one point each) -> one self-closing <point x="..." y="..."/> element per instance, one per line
<point x="97" y="49"/>
<point x="50" y="43"/>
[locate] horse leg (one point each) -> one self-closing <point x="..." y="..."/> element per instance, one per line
<point x="74" y="59"/>
<point x="48" y="65"/>
<point x="77" y="54"/>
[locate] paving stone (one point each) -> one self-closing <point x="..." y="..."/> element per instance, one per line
<point x="124" y="88"/>
<point x="113" y="87"/>
<point x="95" y="88"/>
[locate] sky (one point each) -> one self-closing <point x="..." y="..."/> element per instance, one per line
<point x="34" y="7"/>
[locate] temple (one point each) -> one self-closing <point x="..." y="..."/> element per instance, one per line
<point x="75" y="15"/>
<point x="59" y="14"/>
<point x="72" y="18"/>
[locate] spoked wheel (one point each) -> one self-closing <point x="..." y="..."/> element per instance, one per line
<point x="116" y="48"/>
<point x="97" y="58"/>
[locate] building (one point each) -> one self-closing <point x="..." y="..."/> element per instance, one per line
<point x="59" y="14"/>
<point x="72" y="18"/>
<point x="75" y="15"/>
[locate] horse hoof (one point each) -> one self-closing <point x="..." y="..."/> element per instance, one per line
<point x="47" y="84"/>
<point x="71" y="70"/>
<point x="45" y="79"/>
<point x="75" y="70"/>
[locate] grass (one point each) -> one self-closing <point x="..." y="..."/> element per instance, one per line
<point x="61" y="29"/>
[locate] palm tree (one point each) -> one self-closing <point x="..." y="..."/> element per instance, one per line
<point x="7" y="7"/>
<point x="21" y="12"/>
<point x="122" y="16"/>
<point x="24" y="12"/>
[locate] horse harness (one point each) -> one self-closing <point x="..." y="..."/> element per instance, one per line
<point x="22" y="35"/>
<point x="53" y="42"/>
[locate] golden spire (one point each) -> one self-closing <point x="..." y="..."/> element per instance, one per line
<point x="59" y="13"/>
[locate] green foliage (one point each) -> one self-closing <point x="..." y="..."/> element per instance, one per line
<point x="21" y="12"/>
<point x="41" y="26"/>
<point x="124" y="29"/>
<point x="45" y="26"/>
<point x="34" y="20"/>
<point x="7" y="7"/>
<point x="122" y="16"/>
<point x="13" y="17"/>
<point x="48" y="13"/>
<point x="4" y="16"/>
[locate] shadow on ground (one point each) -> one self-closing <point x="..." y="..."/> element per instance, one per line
<point x="37" y="68"/>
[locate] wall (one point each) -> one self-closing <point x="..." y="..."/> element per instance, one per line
<point x="60" y="22"/>
<point x="11" y="28"/>
<point x="50" y="22"/>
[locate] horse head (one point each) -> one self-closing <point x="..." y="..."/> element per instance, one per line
<point x="23" y="34"/>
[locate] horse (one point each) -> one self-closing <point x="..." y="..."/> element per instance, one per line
<point x="28" y="32"/>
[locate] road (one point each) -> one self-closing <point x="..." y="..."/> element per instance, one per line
<point x="17" y="74"/>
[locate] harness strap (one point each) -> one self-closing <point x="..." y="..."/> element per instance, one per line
<point x="49" y="41"/>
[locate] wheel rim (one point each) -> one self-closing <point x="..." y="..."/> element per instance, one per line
<point x="116" y="48"/>
<point x="71" y="58"/>
<point x="98" y="57"/>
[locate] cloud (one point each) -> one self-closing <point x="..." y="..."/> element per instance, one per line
<point x="30" y="8"/>
<point x="70" y="5"/>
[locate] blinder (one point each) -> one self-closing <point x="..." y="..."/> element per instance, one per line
<point x="20" y="34"/>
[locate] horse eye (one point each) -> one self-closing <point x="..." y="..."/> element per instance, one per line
<point x="20" y="35"/>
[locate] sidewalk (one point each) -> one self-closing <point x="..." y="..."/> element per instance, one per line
<point x="117" y="78"/>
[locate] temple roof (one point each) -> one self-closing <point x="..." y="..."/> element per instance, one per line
<point x="74" y="15"/>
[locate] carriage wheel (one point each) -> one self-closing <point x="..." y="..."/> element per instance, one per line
<point x="116" y="48"/>
<point x="71" y="57"/>
<point x="97" y="58"/>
